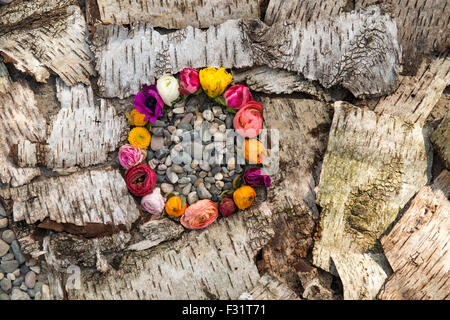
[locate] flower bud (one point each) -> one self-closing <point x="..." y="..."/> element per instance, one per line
<point x="168" y="89"/>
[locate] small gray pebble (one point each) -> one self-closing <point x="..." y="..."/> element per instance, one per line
<point x="15" y="247"/>
<point x="9" y="266"/>
<point x="30" y="279"/>
<point x="4" y="296"/>
<point x="18" y="281"/>
<point x="8" y="236"/>
<point x="5" y="284"/>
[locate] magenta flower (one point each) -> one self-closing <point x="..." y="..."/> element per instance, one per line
<point x="149" y="102"/>
<point x="255" y="178"/>
<point x="189" y="81"/>
<point x="237" y="96"/>
<point x="129" y="156"/>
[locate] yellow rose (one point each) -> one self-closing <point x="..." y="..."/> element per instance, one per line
<point x="214" y="81"/>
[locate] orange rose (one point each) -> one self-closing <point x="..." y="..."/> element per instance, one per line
<point x="254" y="151"/>
<point x="175" y="206"/>
<point x="244" y="197"/>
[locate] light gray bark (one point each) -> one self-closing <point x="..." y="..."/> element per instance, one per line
<point x="441" y="139"/>
<point x="269" y="288"/>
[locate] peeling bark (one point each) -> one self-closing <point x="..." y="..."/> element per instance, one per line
<point x="215" y="263"/>
<point x="81" y="134"/>
<point x="5" y="79"/>
<point x="269" y="288"/>
<point x="19" y="119"/>
<point x="358" y="51"/>
<point x="96" y="202"/>
<point x="372" y="167"/>
<point x="417" y="247"/>
<point x="441" y="140"/>
<point x="43" y="36"/>
<point x="175" y="14"/>
<point x="416" y="96"/>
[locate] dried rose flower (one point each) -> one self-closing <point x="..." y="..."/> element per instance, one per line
<point x="200" y="215"/>
<point x="129" y="156"/>
<point x="140" y="180"/>
<point x="255" y="178"/>
<point x="149" y="102"/>
<point x="227" y="206"/>
<point x="154" y="202"/>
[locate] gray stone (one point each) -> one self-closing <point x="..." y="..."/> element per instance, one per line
<point x="171" y="176"/>
<point x="178" y="110"/>
<point x="220" y="184"/>
<point x="215" y="170"/>
<point x="210" y="180"/>
<point x="187" y="118"/>
<point x="2" y="211"/>
<point x="203" y="193"/>
<point x="4" y="248"/>
<point x="160" y="178"/>
<point x="208" y="115"/>
<point x="150" y="155"/>
<point x="3" y="223"/>
<point x="229" y="121"/>
<point x="218" y="176"/>
<point x="203" y="174"/>
<point x="162" y="152"/>
<point x="158" y="132"/>
<point x="214" y="190"/>
<point x="9" y="266"/>
<point x="159" y="123"/>
<point x="30" y="279"/>
<point x="38" y="287"/>
<point x="18" y="281"/>
<point x="31" y="293"/>
<point x="11" y="276"/>
<point x="192" y="197"/>
<point x="18" y="294"/>
<point x="185" y="126"/>
<point x="187" y="189"/>
<point x="35" y="269"/>
<point x="8" y="257"/>
<point x="2" y="276"/>
<point x="228" y="186"/>
<point x="162" y="167"/>
<point x="5" y="284"/>
<point x="8" y="236"/>
<point x="4" y="297"/>
<point x="217" y="110"/>
<point x="177" y="168"/>
<point x="205" y="166"/>
<point x="184" y="180"/>
<point x="182" y="158"/>
<point x="15" y="247"/>
<point x="166" y="188"/>
<point x="157" y="143"/>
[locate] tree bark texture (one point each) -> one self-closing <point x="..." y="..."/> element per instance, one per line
<point x="441" y="139"/>
<point x="417" y="246"/>
<point x="358" y="51"/>
<point x="372" y="167"/>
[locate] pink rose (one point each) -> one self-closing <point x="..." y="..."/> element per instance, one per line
<point x="237" y="96"/>
<point x="129" y="156"/>
<point x="189" y="81"/>
<point x="248" y="121"/>
<point x="154" y="202"/>
<point x="200" y="214"/>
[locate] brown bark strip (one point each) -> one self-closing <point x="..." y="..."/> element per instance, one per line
<point x="358" y="51"/>
<point x="372" y="167"/>
<point x="441" y="140"/>
<point x="85" y="199"/>
<point x="19" y="119"/>
<point x="175" y="14"/>
<point x="46" y="38"/>
<point x="417" y="247"/>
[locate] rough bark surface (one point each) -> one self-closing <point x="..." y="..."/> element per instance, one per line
<point x="372" y="167"/>
<point x="358" y="51"/>
<point x="81" y="134"/>
<point x="417" y="246"/>
<point x="416" y="95"/>
<point x="19" y="119"/>
<point x="441" y="139"/>
<point x="91" y="203"/>
<point x="215" y="263"/>
<point x="176" y="14"/>
<point x="5" y="79"/>
<point x="40" y="37"/>
<point x="269" y="288"/>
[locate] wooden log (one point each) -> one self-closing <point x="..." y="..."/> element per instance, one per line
<point x="214" y="263"/>
<point x="423" y="26"/>
<point x="416" y="95"/>
<point x="20" y="119"/>
<point x="441" y="140"/>
<point x="81" y="134"/>
<point x="269" y="288"/>
<point x="373" y="165"/>
<point x="40" y="37"/>
<point x="417" y="247"/>
<point x="92" y="203"/>
<point x="358" y="51"/>
<point x="175" y="14"/>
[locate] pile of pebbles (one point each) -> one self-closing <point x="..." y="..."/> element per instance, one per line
<point x="188" y="150"/>
<point x="19" y="279"/>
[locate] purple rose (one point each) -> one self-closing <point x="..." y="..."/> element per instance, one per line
<point x="253" y="177"/>
<point x="149" y="102"/>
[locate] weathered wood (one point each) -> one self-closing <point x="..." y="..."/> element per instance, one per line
<point x="373" y="166"/>
<point x="441" y="140"/>
<point x="417" y="246"/>
<point x="43" y="36"/>
<point x="267" y="80"/>
<point x="416" y="95"/>
<point x="269" y="288"/>
<point x="303" y="127"/>
<point x="175" y="14"/>
<point x="91" y="202"/>
<point x="81" y="134"/>
<point x="214" y="263"/>
<point x="19" y="119"/>
<point x="358" y="51"/>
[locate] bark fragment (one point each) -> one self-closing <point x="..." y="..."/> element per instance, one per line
<point x="372" y="167"/>
<point x="269" y="288"/>
<point x="5" y="79"/>
<point x="43" y="36"/>
<point x="441" y="140"/>
<point x="174" y="14"/>
<point x="417" y="247"/>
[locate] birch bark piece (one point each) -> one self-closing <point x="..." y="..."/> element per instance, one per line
<point x="20" y="119"/>
<point x="358" y="51"/>
<point x="5" y="79"/>
<point x="417" y="247"/>
<point x="302" y="126"/>
<point x="441" y="140"/>
<point x="416" y="95"/>
<point x="372" y="167"/>
<point x="81" y="134"/>
<point x="40" y="37"/>
<point x="175" y="14"/>
<point x="91" y="202"/>
<point x="269" y="288"/>
<point x="214" y="263"/>
<point x="267" y="80"/>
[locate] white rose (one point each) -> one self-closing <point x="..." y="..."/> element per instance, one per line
<point x="167" y="87"/>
